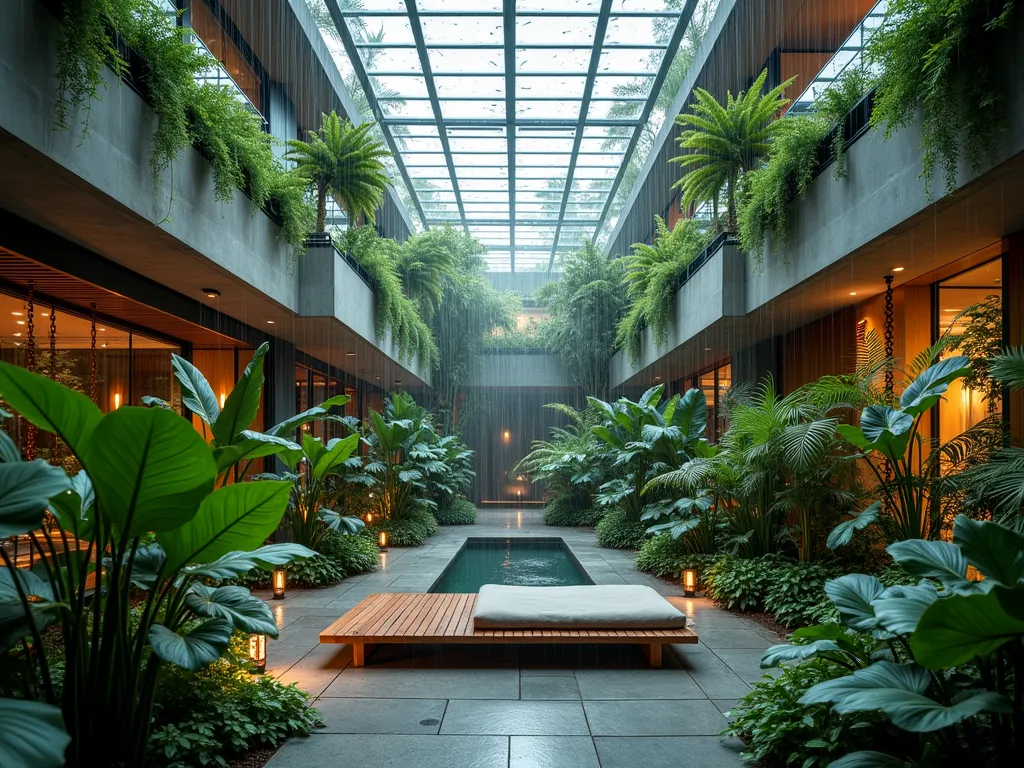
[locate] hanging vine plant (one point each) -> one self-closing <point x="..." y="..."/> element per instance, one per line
<point x="939" y="59"/>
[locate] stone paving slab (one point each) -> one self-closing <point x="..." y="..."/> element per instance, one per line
<point x="512" y="706"/>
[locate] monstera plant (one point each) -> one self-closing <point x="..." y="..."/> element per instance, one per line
<point x="889" y="440"/>
<point x="948" y="666"/>
<point x="125" y="560"/>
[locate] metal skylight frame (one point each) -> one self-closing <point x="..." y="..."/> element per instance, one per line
<point x="446" y="185"/>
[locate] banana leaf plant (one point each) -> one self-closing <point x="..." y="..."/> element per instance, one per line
<point x="235" y="446"/>
<point x="948" y="663"/>
<point x="890" y="436"/>
<point x="311" y="473"/>
<point x="124" y="565"/>
<point x="641" y="440"/>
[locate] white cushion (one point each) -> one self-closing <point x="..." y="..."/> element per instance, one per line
<point x="615" y="606"/>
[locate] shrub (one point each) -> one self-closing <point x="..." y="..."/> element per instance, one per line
<point x="779" y="730"/>
<point x="410" y="531"/>
<point x="213" y="716"/>
<point x="315" y="572"/>
<point x="796" y="594"/>
<point x="618" y="530"/>
<point x="351" y="554"/>
<point x="460" y="511"/>
<point x="562" y="511"/>
<point x="740" y="584"/>
<point x="666" y="557"/>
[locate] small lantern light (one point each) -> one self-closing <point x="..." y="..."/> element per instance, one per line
<point x="258" y="653"/>
<point x="690" y="582"/>
<point x="382" y="540"/>
<point x="279" y="583"/>
<point x="369" y="517"/>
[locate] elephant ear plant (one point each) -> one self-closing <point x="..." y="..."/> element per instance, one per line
<point x="121" y="577"/>
<point x="891" y="435"/>
<point x="948" y="666"/>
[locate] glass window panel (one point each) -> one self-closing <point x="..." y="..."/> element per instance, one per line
<point x="454" y="110"/>
<point x="622" y="86"/>
<point x="567" y="30"/>
<point x="548" y="110"/>
<point x="469" y="30"/>
<point x="448" y="60"/>
<point x="477" y="144"/>
<point x="479" y="159"/>
<point x="635" y="30"/>
<point x="525" y="143"/>
<point x="404" y="85"/>
<point x="458" y="5"/>
<point x="630" y="60"/>
<point x="418" y="145"/>
<point x="547" y="160"/>
<point x="388" y="59"/>
<point x="552" y="59"/>
<point x="564" y="87"/>
<point x="382" y="5"/>
<point x="469" y="172"/>
<point x="412" y="109"/>
<point x="421" y="158"/>
<point x="451" y="86"/>
<point x="541" y="172"/>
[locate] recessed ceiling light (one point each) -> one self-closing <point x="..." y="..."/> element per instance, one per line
<point x="853" y="293"/>
<point x="897" y="269"/>
<point x="19" y="314"/>
<point x="101" y="329"/>
<point x="952" y="310"/>
<point x="17" y="334"/>
<point x="707" y="349"/>
<point x="270" y="322"/>
<point x="350" y="354"/>
<point x="211" y="293"/>
<point x="103" y="344"/>
<point x="46" y="314"/>
<point x="20" y="322"/>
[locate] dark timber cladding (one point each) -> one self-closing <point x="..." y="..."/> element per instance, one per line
<point x="499" y="117"/>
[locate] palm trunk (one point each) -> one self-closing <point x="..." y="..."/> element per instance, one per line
<point x="321" y="207"/>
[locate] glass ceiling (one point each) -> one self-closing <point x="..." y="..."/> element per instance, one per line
<point x="512" y="118"/>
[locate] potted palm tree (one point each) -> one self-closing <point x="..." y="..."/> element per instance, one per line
<point x="723" y="141"/>
<point x="343" y="161"/>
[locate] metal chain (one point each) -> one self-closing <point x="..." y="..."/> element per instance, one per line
<point x="54" y="440"/>
<point x="92" y="357"/>
<point x="30" y="363"/>
<point x="889" y="352"/>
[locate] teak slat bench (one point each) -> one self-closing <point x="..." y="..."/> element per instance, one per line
<point x="392" y="618"/>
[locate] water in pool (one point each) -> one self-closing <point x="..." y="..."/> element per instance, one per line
<point x="545" y="562"/>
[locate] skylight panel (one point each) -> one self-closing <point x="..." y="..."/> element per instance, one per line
<point x="558" y="30"/>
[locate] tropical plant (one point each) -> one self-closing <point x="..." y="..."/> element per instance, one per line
<point x="640" y="440"/>
<point x="946" y="667"/>
<point x="564" y="512"/>
<point x="459" y="511"/>
<point x="890" y="435"/>
<point x="652" y="275"/>
<point x="940" y="61"/>
<point x="666" y="557"/>
<point x="981" y="340"/>
<point x="310" y="473"/>
<point x="741" y="583"/>
<point x="617" y="529"/>
<point x="423" y="262"/>
<point x="834" y="105"/>
<point x="796" y="594"/>
<point x="584" y="306"/>
<point x="143" y="517"/>
<point x="722" y="142"/>
<point x="343" y="161"/>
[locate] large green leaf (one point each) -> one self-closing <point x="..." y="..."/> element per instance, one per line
<point x="852" y="596"/>
<point x="959" y="628"/>
<point x="199" y="647"/>
<point x="853" y="435"/>
<point x="243" y="403"/>
<point x="899" y="691"/>
<point x="924" y="391"/>
<point x="14" y="622"/>
<point x="887" y="428"/>
<point x="691" y="414"/>
<point x="25" y="491"/>
<point x="74" y="507"/>
<point x="237" y="517"/>
<point x="32" y="734"/>
<point x="253" y="445"/>
<point x="317" y="412"/>
<point x="868" y="759"/>
<point x="9" y="452"/>
<point x="29" y="582"/>
<point x="196" y="392"/>
<point x="899" y="609"/>
<point x="50" y="406"/>
<point x="236" y="604"/>
<point x="337" y="453"/>
<point x="150" y="469"/>
<point x="996" y="551"/>
<point x="234" y="564"/>
<point x="313" y="448"/>
<point x="842" y="534"/>
<point x="777" y="654"/>
<point x="651" y="397"/>
<point x="930" y="559"/>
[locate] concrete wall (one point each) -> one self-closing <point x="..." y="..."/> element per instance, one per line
<point x="515" y="371"/>
<point x="715" y="292"/>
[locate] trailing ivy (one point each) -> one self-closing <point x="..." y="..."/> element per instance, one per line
<point x="395" y="312"/>
<point x="206" y="116"/>
<point x="940" y="60"/>
<point x="652" y="278"/>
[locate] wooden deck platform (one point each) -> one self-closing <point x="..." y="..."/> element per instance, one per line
<point x="390" y="618"/>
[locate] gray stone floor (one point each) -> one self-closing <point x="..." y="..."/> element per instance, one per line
<point x="507" y="706"/>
